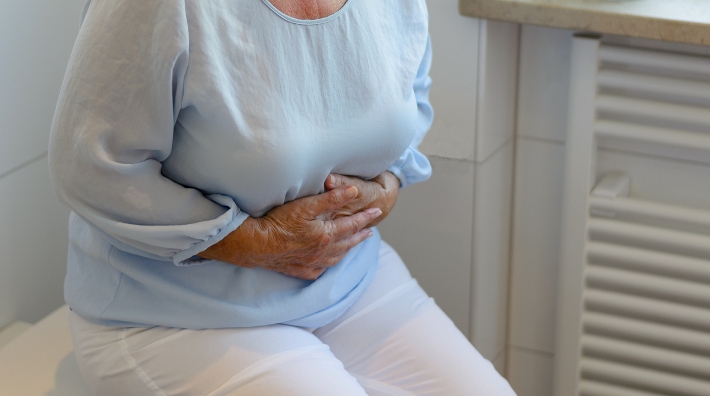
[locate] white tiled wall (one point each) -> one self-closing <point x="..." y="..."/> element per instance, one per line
<point x="491" y="247"/>
<point x="36" y="38"/>
<point x="536" y="235"/>
<point x="529" y="372"/>
<point x="539" y="162"/>
<point x="498" y="67"/>
<point x="34" y="245"/>
<point x="500" y="361"/>
<point x="431" y="229"/>
<point x="543" y="82"/>
<point x="454" y="73"/>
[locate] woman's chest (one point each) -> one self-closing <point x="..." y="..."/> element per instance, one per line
<point x="260" y="69"/>
<point x="308" y="9"/>
<point x="272" y="106"/>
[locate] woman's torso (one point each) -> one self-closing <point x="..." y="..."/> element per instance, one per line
<point x="269" y="106"/>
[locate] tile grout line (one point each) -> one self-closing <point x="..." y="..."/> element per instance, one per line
<point x="480" y="68"/>
<point x="498" y="149"/>
<point x="23" y="165"/>
<point x="541" y="140"/>
<point x="532" y="350"/>
<point x="511" y="221"/>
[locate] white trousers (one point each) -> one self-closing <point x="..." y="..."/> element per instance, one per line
<point x="394" y="341"/>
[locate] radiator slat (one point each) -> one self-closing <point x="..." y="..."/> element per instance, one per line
<point x="652" y="110"/>
<point x="669" y="313"/>
<point x="656" y="59"/>
<point x="653" y="238"/>
<point x="652" y="380"/>
<point x="643" y="260"/>
<point x="654" y="286"/>
<point x="648" y="332"/>
<point x="653" y="84"/>
<point x="593" y="388"/>
<point x="672" y="143"/>
<point x="681" y="363"/>
<point x="653" y="213"/>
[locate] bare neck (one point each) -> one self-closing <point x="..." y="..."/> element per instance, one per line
<point x="308" y="9"/>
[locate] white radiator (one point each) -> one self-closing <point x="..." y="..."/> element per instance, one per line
<point x="634" y="290"/>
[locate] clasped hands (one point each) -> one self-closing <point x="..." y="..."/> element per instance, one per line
<point x="304" y="237"/>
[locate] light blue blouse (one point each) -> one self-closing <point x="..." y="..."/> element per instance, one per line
<point x="177" y="119"/>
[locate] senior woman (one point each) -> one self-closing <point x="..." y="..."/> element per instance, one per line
<point x="217" y="246"/>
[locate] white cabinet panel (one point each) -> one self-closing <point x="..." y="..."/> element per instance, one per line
<point x="431" y="229"/>
<point x="536" y="236"/>
<point x="544" y="79"/>
<point x="491" y="247"/>
<point x="33" y="242"/>
<point x="454" y="72"/>
<point x="530" y="373"/>
<point x="36" y="38"/>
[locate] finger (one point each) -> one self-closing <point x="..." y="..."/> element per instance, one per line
<point x="344" y="245"/>
<point x="328" y="201"/>
<point x="345" y="227"/>
<point x="335" y="180"/>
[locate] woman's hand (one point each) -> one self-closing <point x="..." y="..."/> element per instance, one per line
<point x="380" y="192"/>
<point x="301" y="238"/>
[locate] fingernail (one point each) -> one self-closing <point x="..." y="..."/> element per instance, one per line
<point x="369" y="233"/>
<point x="375" y="212"/>
<point x="331" y="179"/>
<point x="351" y="192"/>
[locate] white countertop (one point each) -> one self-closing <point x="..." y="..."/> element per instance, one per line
<point x="683" y="21"/>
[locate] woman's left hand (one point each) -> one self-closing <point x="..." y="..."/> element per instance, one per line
<point x="380" y="192"/>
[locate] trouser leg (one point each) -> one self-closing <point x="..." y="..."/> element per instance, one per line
<point x="399" y="342"/>
<point x="269" y="361"/>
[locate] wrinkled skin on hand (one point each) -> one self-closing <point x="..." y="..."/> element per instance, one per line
<point x="380" y="192"/>
<point x="301" y="238"/>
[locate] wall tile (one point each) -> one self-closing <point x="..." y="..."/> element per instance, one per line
<point x="497" y="89"/>
<point x="33" y="241"/>
<point x="499" y="362"/>
<point x="454" y="72"/>
<point x="491" y="247"/>
<point x="431" y="229"/>
<point x="32" y="71"/>
<point x="530" y="373"/>
<point x="536" y="235"/>
<point x="544" y="82"/>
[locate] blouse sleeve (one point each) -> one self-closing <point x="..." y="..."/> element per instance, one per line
<point x="413" y="166"/>
<point x="113" y="127"/>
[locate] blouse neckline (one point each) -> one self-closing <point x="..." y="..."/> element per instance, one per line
<point x="318" y="21"/>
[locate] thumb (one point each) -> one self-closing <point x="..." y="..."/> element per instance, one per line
<point x="330" y="200"/>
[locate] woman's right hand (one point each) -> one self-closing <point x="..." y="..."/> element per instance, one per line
<point x="301" y="238"/>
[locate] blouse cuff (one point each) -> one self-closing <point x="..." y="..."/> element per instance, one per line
<point x="189" y="256"/>
<point x="400" y="175"/>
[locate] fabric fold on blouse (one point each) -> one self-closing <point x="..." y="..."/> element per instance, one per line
<point x="178" y="119"/>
